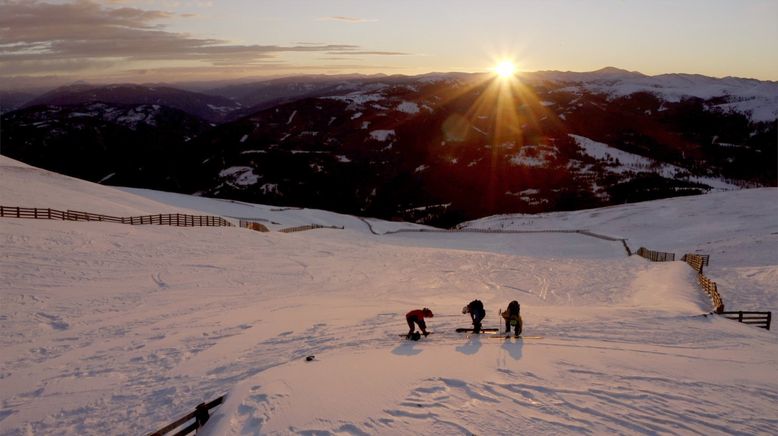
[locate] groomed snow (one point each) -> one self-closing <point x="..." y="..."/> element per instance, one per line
<point x="118" y="329"/>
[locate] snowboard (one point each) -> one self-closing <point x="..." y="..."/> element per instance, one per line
<point x="470" y="330"/>
<point x="415" y="337"/>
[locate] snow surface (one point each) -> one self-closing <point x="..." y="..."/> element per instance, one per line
<point x="381" y="135"/>
<point x="240" y="175"/>
<point x="755" y="97"/>
<point x="408" y="107"/>
<point x="632" y="162"/>
<point x="291" y="117"/>
<point x="118" y="329"/>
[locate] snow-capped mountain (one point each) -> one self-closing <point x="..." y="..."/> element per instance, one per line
<point x="442" y="148"/>
<point x="208" y="107"/>
<point x="755" y="98"/>
<point x="144" y="145"/>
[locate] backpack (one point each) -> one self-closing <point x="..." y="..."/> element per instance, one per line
<point x="514" y="308"/>
<point x="475" y="305"/>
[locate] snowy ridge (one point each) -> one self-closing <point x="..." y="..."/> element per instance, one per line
<point x="632" y="162"/>
<point x="113" y="329"/>
<point x="758" y="98"/>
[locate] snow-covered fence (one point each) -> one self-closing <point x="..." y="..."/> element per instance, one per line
<point x="655" y="256"/>
<point x="758" y="319"/>
<point x="696" y="261"/>
<point x="171" y="219"/>
<point x="200" y="416"/>
<point x="308" y="227"/>
<point x="710" y="288"/>
<point x="253" y="225"/>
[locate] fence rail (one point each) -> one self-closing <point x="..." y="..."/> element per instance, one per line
<point x="200" y="416"/>
<point x="655" y="256"/>
<point x="308" y="227"/>
<point x="171" y="219"/>
<point x="758" y="319"/>
<point x="710" y="288"/>
<point x="696" y="261"/>
<point x="253" y="225"/>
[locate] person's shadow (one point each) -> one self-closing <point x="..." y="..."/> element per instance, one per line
<point x="472" y="346"/>
<point x="513" y="346"/>
<point x="407" y="348"/>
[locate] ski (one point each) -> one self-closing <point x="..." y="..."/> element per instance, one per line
<point x="470" y="330"/>
<point x="517" y="337"/>
<point x="415" y="337"/>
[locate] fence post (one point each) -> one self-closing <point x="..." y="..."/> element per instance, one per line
<point x="740" y="316"/>
<point x="769" y="318"/>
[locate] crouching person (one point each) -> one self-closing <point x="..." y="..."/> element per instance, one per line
<point x="512" y="317"/>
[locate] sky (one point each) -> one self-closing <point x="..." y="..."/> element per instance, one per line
<point x="190" y="40"/>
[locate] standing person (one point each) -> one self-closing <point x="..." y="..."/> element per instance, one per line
<point x="476" y="310"/>
<point x="512" y="317"/>
<point x="417" y="317"/>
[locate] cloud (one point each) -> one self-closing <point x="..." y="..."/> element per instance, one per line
<point x="369" y="53"/>
<point x="40" y="37"/>
<point x="345" y="19"/>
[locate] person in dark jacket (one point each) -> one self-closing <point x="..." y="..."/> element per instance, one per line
<point x="476" y="310"/>
<point x="512" y="317"/>
<point x="417" y="317"/>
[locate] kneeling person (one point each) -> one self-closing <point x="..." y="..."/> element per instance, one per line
<point x="417" y="317"/>
<point x="512" y="317"/>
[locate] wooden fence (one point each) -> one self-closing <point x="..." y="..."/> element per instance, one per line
<point x="171" y="219"/>
<point x="253" y="225"/>
<point x="711" y="289"/>
<point x="758" y="319"/>
<point x="696" y="261"/>
<point x="655" y="256"/>
<point x="308" y="227"/>
<point x="200" y="416"/>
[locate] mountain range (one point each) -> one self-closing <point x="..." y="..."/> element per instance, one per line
<point x="438" y="148"/>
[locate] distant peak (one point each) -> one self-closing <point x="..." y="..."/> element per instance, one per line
<point x="613" y="71"/>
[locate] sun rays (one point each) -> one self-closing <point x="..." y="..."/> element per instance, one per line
<point x="505" y="69"/>
<point x="498" y="112"/>
<point x="499" y="107"/>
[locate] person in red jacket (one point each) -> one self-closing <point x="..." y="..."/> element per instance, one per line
<point x="417" y="316"/>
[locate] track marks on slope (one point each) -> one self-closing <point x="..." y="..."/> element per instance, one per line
<point x="580" y="401"/>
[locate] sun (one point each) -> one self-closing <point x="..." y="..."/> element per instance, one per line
<point x="505" y="69"/>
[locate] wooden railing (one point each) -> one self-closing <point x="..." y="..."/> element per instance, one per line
<point x="758" y="319"/>
<point x="696" y="261"/>
<point x="655" y="256"/>
<point x="200" y="416"/>
<point x="308" y="227"/>
<point x="253" y="225"/>
<point x="171" y="219"/>
<point x="711" y="289"/>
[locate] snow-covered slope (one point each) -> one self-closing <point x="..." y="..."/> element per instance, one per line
<point x="117" y="329"/>
<point x="739" y="230"/>
<point x="758" y="98"/>
<point x="625" y="162"/>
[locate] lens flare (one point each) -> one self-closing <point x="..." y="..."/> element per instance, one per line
<point x="505" y="69"/>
